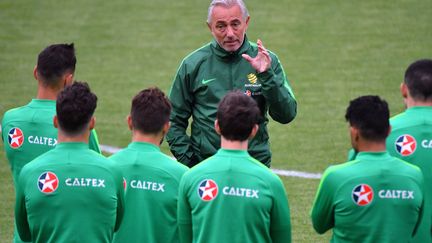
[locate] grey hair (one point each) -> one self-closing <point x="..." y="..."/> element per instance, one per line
<point x="227" y="4"/>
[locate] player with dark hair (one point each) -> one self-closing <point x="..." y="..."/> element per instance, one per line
<point x="411" y="136"/>
<point x="70" y="193"/>
<point x="151" y="177"/>
<point x="28" y="131"/>
<point x="376" y="197"/>
<point x="231" y="197"/>
<point x="229" y="62"/>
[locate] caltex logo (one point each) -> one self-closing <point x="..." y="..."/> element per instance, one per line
<point x="15" y="138"/>
<point x="207" y="190"/>
<point x="47" y="182"/>
<point x="362" y="194"/>
<point x="405" y="145"/>
<point x="124" y="183"/>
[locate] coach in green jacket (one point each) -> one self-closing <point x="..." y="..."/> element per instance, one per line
<point x="230" y="62"/>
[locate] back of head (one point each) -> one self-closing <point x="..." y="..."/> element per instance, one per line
<point x="150" y="111"/>
<point x="227" y="4"/>
<point x="54" y="62"/>
<point x="237" y="114"/>
<point x="418" y="78"/>
<point x="75" y="107"/>
<point x="370" y="115"/>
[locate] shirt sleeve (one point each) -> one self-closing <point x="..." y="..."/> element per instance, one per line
<point x="280" y="226"/>
<point x="21" y="220"/>
<point x="278" y="93"/>
<point x="182" y="101"/>
<point x="94" y="141"/>
<point x="184" y="217"/>
<point x="322" y="212"/>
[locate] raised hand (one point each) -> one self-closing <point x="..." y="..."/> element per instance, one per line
<point x="262" y="61"/>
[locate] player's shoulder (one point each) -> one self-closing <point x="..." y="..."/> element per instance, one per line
<point x="341" y="171"/>
<point x="198" y="55"/>
<point x="17" y="112"/>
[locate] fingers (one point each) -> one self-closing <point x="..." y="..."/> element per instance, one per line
<point x="247" y="57"/>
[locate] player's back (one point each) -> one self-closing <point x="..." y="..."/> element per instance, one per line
<point x="70" y="194"/>
<point x="151" y="179"/>
<point x="28" y="132"/>
<point x="376" y="198"/>
<point x="233" y="198"/>
<point x="411" y="140"/>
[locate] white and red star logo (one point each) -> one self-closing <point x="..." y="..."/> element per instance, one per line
<point x="16" y="137"/>
<point x="47" y="182"/>
<point x="405" y="145"/>
<point x="362" y="194"/>
<point x="207" y="190"/>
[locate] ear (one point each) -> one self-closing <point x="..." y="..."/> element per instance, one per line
<point x="209" y="26"/>
<point x="389" y="130"/>
<point x="404" y="90"/>
<point x="355" y="133"/>
<point x="217" y="128"/>
<point x="55" y="121"/>
<point x="254" y="131"/>
<point x="247" y="21"/>
<point x="166" y="127"/>
<point x="129" y="122"/>
<point x="92" y="123"/>
<point x="35" y="75"/>
<point x="68" y="79"/>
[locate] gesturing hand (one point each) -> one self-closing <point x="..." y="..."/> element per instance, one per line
<point x="262" y="60"/>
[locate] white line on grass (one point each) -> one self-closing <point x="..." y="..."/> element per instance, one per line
<point x="290" y="173"/>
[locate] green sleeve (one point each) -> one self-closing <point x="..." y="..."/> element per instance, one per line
<point x="184" y="217"/>
<point x="21" y="220"/>
<point x="322" y="212"/>
<point x="278" y="93"/>
<point x="280" y="225"/>
<point x="94" y="142"/>
<point x="421" y="215"/>
<point x="120" y="200"/>
<point x="182" y="101"/>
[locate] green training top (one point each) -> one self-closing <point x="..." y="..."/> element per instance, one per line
<point x="231" y="197"/>
<point x="411" y="140"/>
<point x="69" y="194"/>
<point x="28" y="132"/>
<point x="152" y="180"/>
<point x="375" y="198"/>
<point x="203" y="79"/>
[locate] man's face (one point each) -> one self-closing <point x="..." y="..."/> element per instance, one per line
<point x="228" y="27"/>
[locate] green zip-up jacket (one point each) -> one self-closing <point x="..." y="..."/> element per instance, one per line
<point x="231" y="197"/>
<point x="411" y="140"/>
<point x="203" y="79"/>
<point x="374" y="198"/>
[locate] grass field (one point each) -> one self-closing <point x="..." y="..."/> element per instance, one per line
<point x="332" y="52"/>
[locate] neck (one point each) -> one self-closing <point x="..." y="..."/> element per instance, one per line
<point x="237" y="145"/>
<point x="410" y="102"/>
<point x="147" y="138"/>
<point x="46" y="93"/>
<point x="62" y="137"/>
<point x="369" y="146"/>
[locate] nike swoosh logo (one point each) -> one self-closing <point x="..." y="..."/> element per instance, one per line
<point x="206" y="81"/>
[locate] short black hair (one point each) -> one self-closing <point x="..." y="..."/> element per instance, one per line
<point x="75" y="106"/>
<point x="369" y="114"/>
<point x="55" y="61"/>
<point x="150" y="110"/>
<point x="237" y="114"/>
<point x="418" y="78"/>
